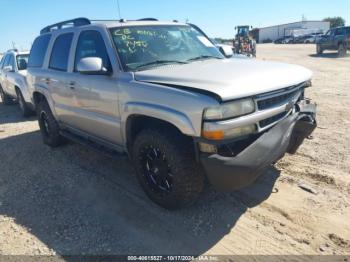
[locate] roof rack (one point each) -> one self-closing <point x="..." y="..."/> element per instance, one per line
<point x="84" y="21"/>
<point x="148" y="19"/>
<point x="72" y="23"/>
<point x="12" y="50"/>
<point x="141" y="19"/>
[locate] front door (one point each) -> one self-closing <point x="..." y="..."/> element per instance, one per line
<point x="96" y="96"/>
<point x="11" y="77"/>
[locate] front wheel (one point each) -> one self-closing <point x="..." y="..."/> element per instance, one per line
<point x="319" y="49"/>
<point x="48" y="125"/>
<point x="166" y="168"/>
<point x="26" y="111"/>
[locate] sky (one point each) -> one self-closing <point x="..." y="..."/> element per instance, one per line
<point x="21" y="20"/>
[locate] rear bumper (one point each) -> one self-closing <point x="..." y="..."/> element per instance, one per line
<point x="232" y="173"/>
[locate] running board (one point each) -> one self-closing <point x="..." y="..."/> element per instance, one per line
<point x="99" y="147"/>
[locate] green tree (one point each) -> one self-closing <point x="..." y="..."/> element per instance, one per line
<point x="335" y="21"/>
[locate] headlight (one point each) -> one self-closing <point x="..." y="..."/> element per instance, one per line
<point x="230" y="110"/>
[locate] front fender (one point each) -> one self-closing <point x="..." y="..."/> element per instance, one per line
<point x="22" y="85"/>
<point x="176" y="118"/>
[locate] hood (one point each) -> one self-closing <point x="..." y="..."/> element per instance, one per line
<point x="228" y="78"/>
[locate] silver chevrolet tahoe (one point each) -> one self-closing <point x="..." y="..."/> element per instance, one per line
<point x="162" y="93"/>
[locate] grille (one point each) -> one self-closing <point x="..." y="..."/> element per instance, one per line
<point x="277" y="100"/>
<point x="269" y="121"/>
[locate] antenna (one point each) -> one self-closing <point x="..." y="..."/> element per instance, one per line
<point x="120" y="16"/>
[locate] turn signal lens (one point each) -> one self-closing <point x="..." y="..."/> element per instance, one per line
<point x="230" y="133"/>
<point x="213" y="135"/>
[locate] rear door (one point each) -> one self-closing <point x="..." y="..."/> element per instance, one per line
<point x="96" y="96"/>
<point x="58" y="78"/>
<point x="338" y="36"/>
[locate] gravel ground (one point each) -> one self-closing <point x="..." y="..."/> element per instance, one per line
<point x="71" y="200"/>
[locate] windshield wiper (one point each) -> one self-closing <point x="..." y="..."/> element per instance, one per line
<point x="203" y="57"/>
<point x="160" y="62"/>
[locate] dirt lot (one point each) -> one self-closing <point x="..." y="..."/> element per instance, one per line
<point x="75" y="201"/>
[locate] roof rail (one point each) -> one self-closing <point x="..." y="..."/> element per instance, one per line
<point x="12" y="50"/>
<point x="148" y="19"/>
<point x="74" y="23"/>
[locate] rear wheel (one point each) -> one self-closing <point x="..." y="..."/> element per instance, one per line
<point x="6" y="100"/>
<point x="341" y="50"/>
<point x="48" y="125"/>
<point x="319" y="49"/>
<point x="26" y="111"/>
<point x="166" y="168"/>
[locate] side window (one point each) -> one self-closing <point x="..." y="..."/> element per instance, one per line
<point x="38" y="51"/>
<point x="5" y="61"/>
<point x="91" y="44"/>
<point x="22" y="62"/>
<point x="339" y="31"/>
<point x="60" y="52"/>
<point x="12" y="62"/>
<point x="2" y="61"/>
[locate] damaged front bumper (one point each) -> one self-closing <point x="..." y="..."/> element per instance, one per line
<point x="232" y="173"/>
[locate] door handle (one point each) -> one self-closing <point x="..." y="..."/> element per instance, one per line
<point x="47" y="80"/>
<point x="71" y="85"/>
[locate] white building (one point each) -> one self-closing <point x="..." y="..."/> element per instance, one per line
<point x="292" y="29"/>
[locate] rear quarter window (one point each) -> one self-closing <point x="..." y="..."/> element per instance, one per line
<point x="38" y="51"/>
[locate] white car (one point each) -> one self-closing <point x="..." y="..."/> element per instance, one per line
<point x="13" y="84"/>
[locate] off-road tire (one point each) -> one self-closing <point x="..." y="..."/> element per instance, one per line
<point x="319" y="49"/>
<point x="187" y="178"/>
<point x="49" y="127"/>
<point x="26" y="111"/>
<point x="6" y="100"/>
<point x="341" y="50"/>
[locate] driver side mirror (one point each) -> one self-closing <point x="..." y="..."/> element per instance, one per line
<point x="226" y="51"/>
<point x="91" y="66"/>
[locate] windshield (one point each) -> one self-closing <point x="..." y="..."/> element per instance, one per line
<point x="243" y="31"/>
<point x="22" y="61"/>
<point x="144" y="47"/>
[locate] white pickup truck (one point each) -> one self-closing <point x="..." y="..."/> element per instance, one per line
<point x="13" y="83"/>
